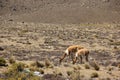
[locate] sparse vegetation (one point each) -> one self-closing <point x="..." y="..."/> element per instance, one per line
<point x="17" y="67"/>
<point x="75" y="76"/>
<point x="38" y="64"/>
<point x="48" y="64"/>
<point x="76" y="67"/>
<point x="69" y="73"/>
<point x="115" y="43"/>
<point x="110" y="68"/>
<point x="22" y="76"/>
<point x="41" y="71"/>
<point x="28" y="41"/>
<point x="15" y="72"/>
<point x="60" y="74"/>
<point x="87" y="66"/>
<point x="94" y="75"/>
<point x="2" y="62"/>
<point x="95" y="65"/>
<point x="12" y="60"/>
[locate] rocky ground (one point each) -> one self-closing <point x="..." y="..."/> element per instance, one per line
<point x="36" y="30"/>
<point x="62" y="11"/>
<point x="37" y="41"/>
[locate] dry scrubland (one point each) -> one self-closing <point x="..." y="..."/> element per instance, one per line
<point x="61" y="11"/>
<point x="29" y="46"/>
<point x="38" y="46"/>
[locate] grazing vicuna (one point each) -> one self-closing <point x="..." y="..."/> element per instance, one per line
<point x="81" y="53"/>
<point x="70" y="51"/>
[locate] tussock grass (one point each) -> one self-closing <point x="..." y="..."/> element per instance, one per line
<point x="95" y="65"/>
<point x="2" y="62"/>
<point x="48" y="64"/>
<point x="38" y="64"/>
<point x="75" y="76"/>
<point x="69" y="73"/>
<point x="94" y="75"/>
<point x="16" y="72"/>
<point x="12" y="60"/>
<point x="87" y="66"/>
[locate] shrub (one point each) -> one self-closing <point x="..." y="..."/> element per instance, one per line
<point x="94" y="75"/>
<point x="53" y="77"/>
<point x="38" y="64"/>
<point x="41" y="71"/>
<point x="110" y="68"/>
<point x="18" y="66"/>
<point x="59" y="73"/>
<point x="69" y="73"/>
<point x="23" y="76"/>
<point x="16" y="72"/>
<point x="87" y="66"/>
<point x="76" y="67"/>
<point x="14" y="69"/>
<point x="48" y="63"/>
<point x="2" y="62"/>
<point x="75" y="76"/>
<point x="12" y="60"/>
<point x="95" y="65"/>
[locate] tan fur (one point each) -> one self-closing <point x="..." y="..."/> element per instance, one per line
<point x="70" y="51"/>
<point x="81" y="53"/>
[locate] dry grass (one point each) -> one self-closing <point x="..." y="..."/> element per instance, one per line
<point x="38" y="64"/>
<point x="75" y="76"/>
<point x="48" y="64"/>
<point x="87" y="66"/>
<point x="94" y="75"/>
<point x="95" y="65"/>
<point x="69" y="73"/>
<point x="12" y="60"/>
<point x="2" y="62"/>
<point x="94" y="37"/>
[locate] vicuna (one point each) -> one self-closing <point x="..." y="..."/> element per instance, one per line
<point x="81" y="53"/>
<point x="70" y="51"/>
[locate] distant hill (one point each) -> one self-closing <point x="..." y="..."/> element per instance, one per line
<point x="61" y="11"/>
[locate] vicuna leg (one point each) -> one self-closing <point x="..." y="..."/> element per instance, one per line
<point x="86" y="57"/>
<point x="72" y="56"/>
<point x="74" y="60"/>
<point x="64" y="55"/>
<point x="81" y="58"/>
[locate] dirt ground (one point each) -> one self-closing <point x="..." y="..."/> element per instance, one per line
<point x="38" y="41"/>
<point x="62" y="11"/>
<point x="37" y="30"/>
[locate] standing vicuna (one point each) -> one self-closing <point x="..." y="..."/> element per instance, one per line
<point x="70" y="51"/>
<point x="81" y="53"/>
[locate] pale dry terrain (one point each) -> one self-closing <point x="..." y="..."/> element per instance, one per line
<point x="29" y="42"/>
<point x="61" y="11"/>
<point x="40" y="30"/>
